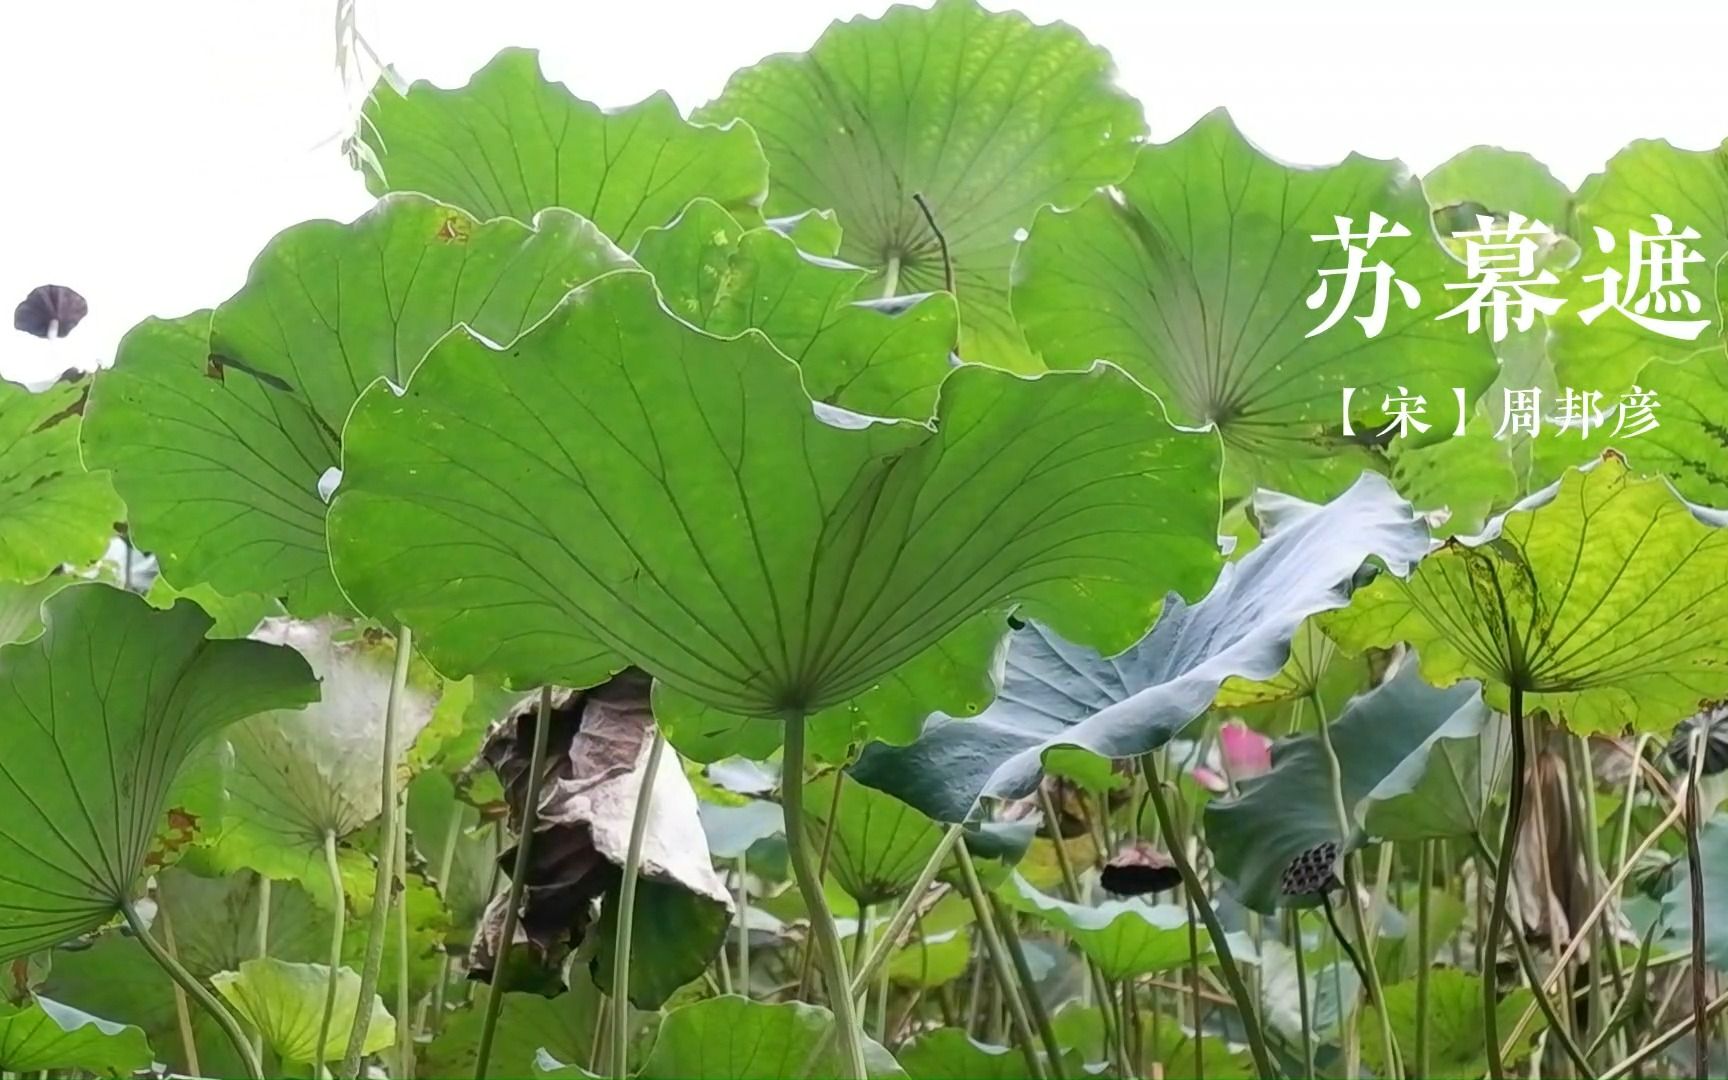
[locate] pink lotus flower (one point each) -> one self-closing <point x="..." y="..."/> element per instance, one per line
<point x="1247" y="753"/>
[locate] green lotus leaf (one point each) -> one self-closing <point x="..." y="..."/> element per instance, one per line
<point x="1674" y="922"/>
<point x="1600" y="598"/>
<point x="1124" y="939"/>
<point x="52" y="511"/>
<point x="297" y="775"/>
<point x="511" y="144"/>
<point x="461" y="853"/>
<point x="285" y="1002"/>
<point x="1385" y="740"/>
<point x="951" y="1054"/>
<point x="1456" y="1042"/>
<point x="876" y="844"/>
<point x="731" y="1038"/>
<point x="21" y="605"/>
<point x="1650" y="177"/>
<point x="236" y="616"/>
<point x="986" y="115"/>
<point x="97" y="716"/>
<point x="1170" y="1042"/>
<point x="928" y="961"/>
<point x="220" y="428"/>
<point x="1689" y="446"/>
<point x="1065" y="707"/>
<point x="562" y="1028"/>
<point x="690" y="511"/>
<point x="876" y="357"/>
<point x="1196" y="280"/>
<point x="1497" y="182"/>
<point x="45" y="1034"/>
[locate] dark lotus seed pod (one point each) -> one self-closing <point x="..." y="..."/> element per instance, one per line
<point x="1715" y="725"/>
<point x="55" y="308"/>
<point x="1312" y="873"/>
<point x="1138" y="870"/>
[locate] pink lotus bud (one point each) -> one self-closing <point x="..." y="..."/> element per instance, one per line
<point x="1247" y="753"/>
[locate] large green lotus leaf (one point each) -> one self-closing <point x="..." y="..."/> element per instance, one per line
<point x="511" y="144"/>
<point x="21" y="605"/>
<point x="1690" y="445"/>
<point x="623" y="488"/>
<point x="876" y="844"/>
<point x="52" y="511"/>
<point x="215" y="920"/>
<point x="297" y="775"/>
<point x="285" y="1002"/>
<point x="1123" y="938"/>
<point x="97" y="716"/>
<point x="951" y="1054"/>
<point x="1690" y="188"/>
<point x="876" y="357"/>
<point x="236" y="616"/>
<point x="1195" y="280"/>
<point x="1601" y="597"/>
<point x="44" y="1035"/>
<point x="1497" y="182"/>
<point x="1385" y="734"/>
<point x="732" y="1038"/>
<point x="987" y="115"/>
<point x="1456" y="1042"/>
<point x="931" y="960"/>
<point x="562" y="1028"/>
<point x="1060" y="698"/>
<point x="220" y="428"/>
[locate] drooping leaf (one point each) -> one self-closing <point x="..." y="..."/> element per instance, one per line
<point x="511" y="144"/>
<point x="1689" y="188"/>
<point x="598" y="750"/>
<point x="286" y="1003"/>
<point x="1389" y="732"/>
<point x="876" y="844"/>
<point x="45" y="1035"/>
<point x="987" y="115"/>
<point x="1123" y="938"/>
<point x="299" y="775"/>
<point x="97" y="716"/>
<point x="1456" y="1042"/>
<point x="1061" y="698"/>
<point x="700" y="518"/>
<point x="1600" y="597"/>
<point x="1196" y="282"/>
<point x="52" y="511"/>
<point x="876" y="357"/>
<point x="220" y="427"/>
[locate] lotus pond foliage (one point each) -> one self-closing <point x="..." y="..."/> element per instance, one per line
<point x="879" y="576"/>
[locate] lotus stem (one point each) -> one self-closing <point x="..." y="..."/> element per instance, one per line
<point x="383" y="883"/>
<point x="620" y="1065"/>
<point x="1114" y="1032"/>
<point x="261" y="930"/>
<point x="1214" y="929"/>
<point x="1502" y="883"/>
<point x="518" y="882"/>
<point x="338" y="925"/>
<point x="891" y="277"/>
<point x="807" y="955"/>
<point x="1424" y="931"/>
<point x="1695" y="872"/>
<point x="189" y="983"/>
<point x="830" y="954"/>
<point x="1370" y="967"/>
<point x="743" y="926"/>
<point x="182" y="1012"/>
<point x="1302" y="1003"/>
<point x="1001" y="967"/>
<point x="404" y="996"/>
<point x="885" y="944"/>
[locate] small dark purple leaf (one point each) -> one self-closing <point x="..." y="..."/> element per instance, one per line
<point x="50" y="311"/>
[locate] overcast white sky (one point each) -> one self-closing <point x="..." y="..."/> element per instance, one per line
<point x="153" y="146"/>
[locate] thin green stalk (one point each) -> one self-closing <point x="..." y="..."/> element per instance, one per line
<point x="860" y="941"/>
<point x="891" y="277"/>
<point x="518" y="881"/>
<point x="1214" y="929"/>
<point x="1194" y="1003"/>
<point x="186" y="981"/>
<point x="261" y="943"/>
<point x="1695" y="872"/>
<point x="808" y="952"/>
<point x="627" y="912"/>
<point x="743" y="927"/>
<point x="383" y="885"/>
<point x="404" y="996"/>
<point x="182" y="1010"/>
<point x="1004" y="925"/>
<point x="1502" y="883"/>
<point x="1114" y="1032"/>
<point x="1353" y="893"/>
<point x="1307" y="1013"/>
<point x="886" y="943"/>
<point x="1000" y="965"/>
<point x="831" y="956"/>
<point x="1424" y="943"/>
<point x="338" y="924"/>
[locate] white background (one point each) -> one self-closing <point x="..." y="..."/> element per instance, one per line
<point x="153" y="146"/>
